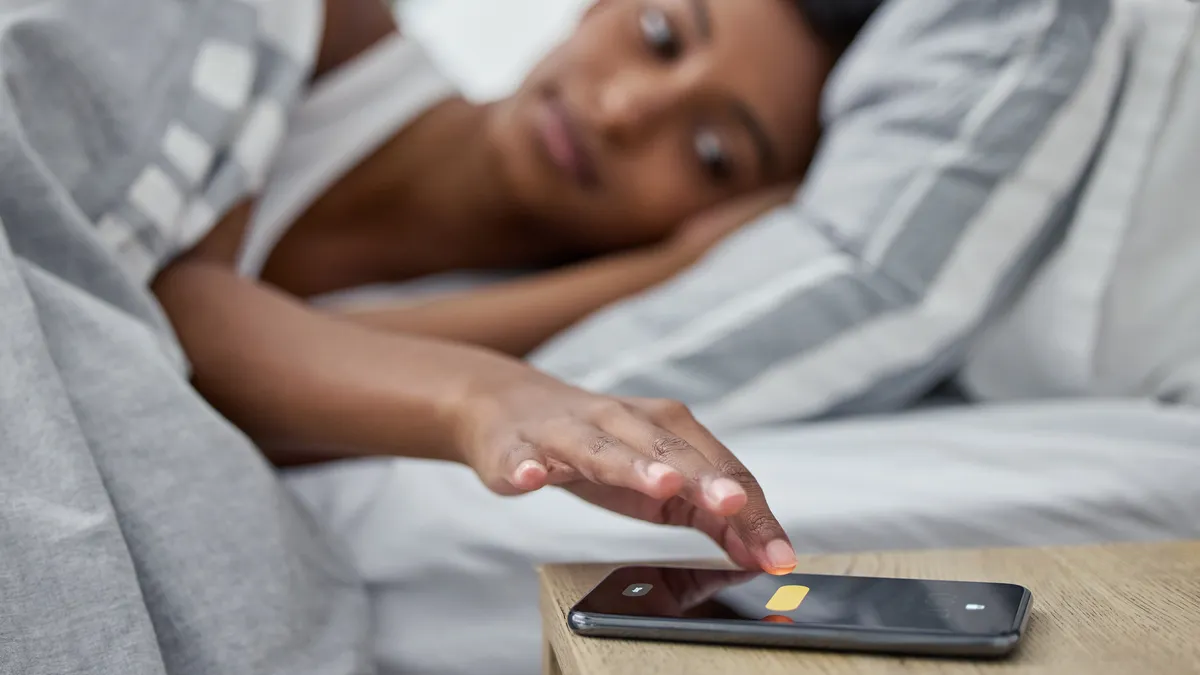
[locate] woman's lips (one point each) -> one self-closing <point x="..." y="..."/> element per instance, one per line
<point x="561" y="140"/>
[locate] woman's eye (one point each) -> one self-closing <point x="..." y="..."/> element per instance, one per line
<point x="660" y="35"/>
<point x="713" y="157"/>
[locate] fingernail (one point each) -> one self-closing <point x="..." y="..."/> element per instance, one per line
<point x="656" y="472"/>
<point x="529" y="466"/>
<point x="782" y="556"/>
<point x="723" y="488"/>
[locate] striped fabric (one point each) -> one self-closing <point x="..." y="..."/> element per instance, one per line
<point x="194" y="151"/>
<point x="958" y="132"/>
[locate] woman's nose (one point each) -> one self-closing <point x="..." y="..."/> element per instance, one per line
<point x="631" y="105"/>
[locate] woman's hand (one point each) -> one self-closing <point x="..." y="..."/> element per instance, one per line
<point x="701" y="234"/>
<point x="648" y="459"/>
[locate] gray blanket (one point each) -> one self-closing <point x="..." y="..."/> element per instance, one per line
<point x="140" y="532"/>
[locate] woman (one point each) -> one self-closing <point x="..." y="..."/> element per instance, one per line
<point x="647" y="115"/>
<point x="650" y="113"/>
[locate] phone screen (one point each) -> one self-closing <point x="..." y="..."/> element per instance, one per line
<point x="981" y="609"/>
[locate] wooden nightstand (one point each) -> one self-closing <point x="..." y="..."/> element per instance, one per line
<point x="1129" y="608"/>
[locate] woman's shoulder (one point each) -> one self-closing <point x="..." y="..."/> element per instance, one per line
<point x="349" y="113"/>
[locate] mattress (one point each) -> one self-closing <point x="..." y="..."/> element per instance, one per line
<point x="451" y="566"/>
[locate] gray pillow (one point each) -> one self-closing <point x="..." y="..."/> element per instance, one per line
<point x="957" y="134"/>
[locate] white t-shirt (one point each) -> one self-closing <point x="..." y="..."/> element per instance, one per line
<point x="348" y="115"/>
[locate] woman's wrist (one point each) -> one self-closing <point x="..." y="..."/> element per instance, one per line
<point x="461" y="382"/>
<point x="676" y="255"/>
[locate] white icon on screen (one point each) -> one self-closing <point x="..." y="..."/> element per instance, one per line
<point x="637" y="590"/>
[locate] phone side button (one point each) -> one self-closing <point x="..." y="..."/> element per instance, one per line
<point x="578" y="621"/>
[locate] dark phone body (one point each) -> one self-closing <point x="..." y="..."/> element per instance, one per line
<point x="839" y="613"/>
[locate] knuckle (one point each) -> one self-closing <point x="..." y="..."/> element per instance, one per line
<point x="601" y="445"/>
<point x="761" y="523"/>
<point x="665" y="448"/>
<point x="734" y="469"/>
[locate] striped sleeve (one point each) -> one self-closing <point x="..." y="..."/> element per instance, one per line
<point x="957" y="135"/>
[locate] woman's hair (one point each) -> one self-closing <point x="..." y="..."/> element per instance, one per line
<point x="838" y="22"/>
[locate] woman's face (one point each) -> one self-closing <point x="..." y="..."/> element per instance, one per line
<point x="657" y="109"/>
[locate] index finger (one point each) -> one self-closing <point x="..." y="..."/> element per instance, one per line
<point x="755" y="524"/>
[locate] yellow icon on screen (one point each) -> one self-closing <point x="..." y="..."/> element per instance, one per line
<point x="787" y="598"/>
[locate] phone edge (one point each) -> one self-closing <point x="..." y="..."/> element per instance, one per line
<point x="777" y="636"/>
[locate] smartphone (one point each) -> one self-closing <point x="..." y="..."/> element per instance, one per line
<point x="810" y="611"/>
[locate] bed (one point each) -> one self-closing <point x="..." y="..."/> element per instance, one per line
<point x="451" y="566"/>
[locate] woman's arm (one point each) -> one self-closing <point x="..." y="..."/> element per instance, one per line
<point x="516" y="317"/>
<point x="305" y="386"/>
<point x="312" y="387"/>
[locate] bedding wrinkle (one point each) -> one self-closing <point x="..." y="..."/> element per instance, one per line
<point x="1052" y="342"/>
<point x="961" y="147"/>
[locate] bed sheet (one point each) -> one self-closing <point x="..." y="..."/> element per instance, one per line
<point x="451" y="567"/>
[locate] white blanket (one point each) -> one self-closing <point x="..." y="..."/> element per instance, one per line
<point x="451" y="566"/>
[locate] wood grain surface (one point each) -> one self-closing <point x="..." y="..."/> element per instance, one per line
<point x="1129" y="608"/>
